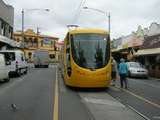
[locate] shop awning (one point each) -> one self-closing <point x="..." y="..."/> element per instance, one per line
<point x="8" y="41"/>
<point x="148" y="52"/>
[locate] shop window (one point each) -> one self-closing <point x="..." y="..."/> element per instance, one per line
<point x="52" y="44"/>
<point x="35" y="43"/>
<point x="52" y="56"/>
<point x="29" y="55"/>
<point x="153" y="66"/>
<point x="0" y="26"/>
<point x="41" y="43"/>
<point x="18" y="40"/>
<point x="22" y="58"/>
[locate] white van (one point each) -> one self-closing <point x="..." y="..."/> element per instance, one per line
<point x="41" y="58"/>
<point x="17" y="61"/>
<point x="4" y="72"/>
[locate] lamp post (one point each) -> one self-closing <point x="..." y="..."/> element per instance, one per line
<point x="107" y="14"/>
<point x="23" y="10"/>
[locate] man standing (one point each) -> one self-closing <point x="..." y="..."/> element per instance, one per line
<point x="123" y="69"/>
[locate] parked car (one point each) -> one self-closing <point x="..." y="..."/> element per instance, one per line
<point x="17" y="59"/>
<point x="41" y="58"/>
<point x="4" y="72"/>
<point x="136" y="69"/>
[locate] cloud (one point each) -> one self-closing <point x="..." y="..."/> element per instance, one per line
<point x="126" y="15"/>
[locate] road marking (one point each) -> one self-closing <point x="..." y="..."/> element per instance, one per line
<point x="141" y="98"/>
<point x="156" y="117"/>
<point x="102" y="102"/>
<point x="152" y="85"/>
<point x="145" y="117"/>
<point x="55" y="112"/>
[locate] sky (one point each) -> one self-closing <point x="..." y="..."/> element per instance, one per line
<point x="126" y="15"/>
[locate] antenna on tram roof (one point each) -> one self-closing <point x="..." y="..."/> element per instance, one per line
<point x="71" y="27"/>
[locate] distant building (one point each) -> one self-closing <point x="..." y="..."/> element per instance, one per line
<point x="126" y="46"/>
<point x="6" y="26"/>
<point x="142" y="46"/>
<point x="153" y="29"/>
<point x="59" y="46"/>
<point x="149" y="54"/>
<point x="33" y="41"/>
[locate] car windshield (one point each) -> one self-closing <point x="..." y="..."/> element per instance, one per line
<point x="135" y="65"/>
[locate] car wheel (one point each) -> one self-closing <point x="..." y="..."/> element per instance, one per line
<point x="26" y="70"/>
<point x="36" y="66"/>
<point x="129" y="74"/>
<point x="7" y="79"/>
<point x="19" y="72"/>
<point x="47" y="66"/>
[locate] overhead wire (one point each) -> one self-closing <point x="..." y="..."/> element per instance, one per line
<point x="78" y="11"/>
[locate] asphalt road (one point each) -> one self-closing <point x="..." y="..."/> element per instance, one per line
<point x="142" y="96"/>
<point x="71" y="106"/>
<point x="91" y="104"/>
<point x="42" y="95"/>
<point x="32" y="95"/>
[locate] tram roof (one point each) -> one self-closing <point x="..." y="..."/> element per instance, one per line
<point x="87" y="30"/>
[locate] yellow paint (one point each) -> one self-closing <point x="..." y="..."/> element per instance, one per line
<point x="55" y="112"/>
<point x="88" y="30"/>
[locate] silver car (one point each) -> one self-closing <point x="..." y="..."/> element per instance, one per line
<point x="136" y="69"/>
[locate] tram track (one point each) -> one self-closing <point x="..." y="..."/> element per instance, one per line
<point x="144" y="107"/>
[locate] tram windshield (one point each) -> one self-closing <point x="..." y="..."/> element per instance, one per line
<point x="90" y="50"/>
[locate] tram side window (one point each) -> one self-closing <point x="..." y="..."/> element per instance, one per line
<point x="67" y="39"/>
<point x="68" y="62"/>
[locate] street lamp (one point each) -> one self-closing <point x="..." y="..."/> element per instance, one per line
<point x="107" y="14"/>
<point x="47" y="10"/>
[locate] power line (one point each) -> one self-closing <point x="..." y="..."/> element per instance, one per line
<point x="79" y="10"/>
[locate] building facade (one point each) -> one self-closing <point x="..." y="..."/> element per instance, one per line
<point x="59" y="46"/>
<point x="142" y="46"/>
<point x="149" y="54"/>
<point x="33" y="41"/>
<point x="126" y="46"/>
<point x="6" y="26"/>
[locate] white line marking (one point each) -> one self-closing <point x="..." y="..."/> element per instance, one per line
<point x="103" y="102"/>
<point x="145" y="117"/>
<point x="140" y="97"/>
<point x="156" y="117"/>
<point x="149" y="84"/>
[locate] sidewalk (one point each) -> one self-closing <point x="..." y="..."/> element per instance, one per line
<point x="105" y="107"/>
<point x="152" y="78"/>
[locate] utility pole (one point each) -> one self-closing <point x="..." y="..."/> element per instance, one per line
<point x="109" y="22"/>
<point x="23" y="29"/>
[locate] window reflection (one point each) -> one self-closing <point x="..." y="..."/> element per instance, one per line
<point x="90" y="50"/>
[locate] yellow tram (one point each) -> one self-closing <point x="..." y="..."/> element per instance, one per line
<point x="87" y="58"/>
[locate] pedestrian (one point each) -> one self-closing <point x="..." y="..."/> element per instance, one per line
<point x="123" y="70"/>
<point x="114" y="71"/>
